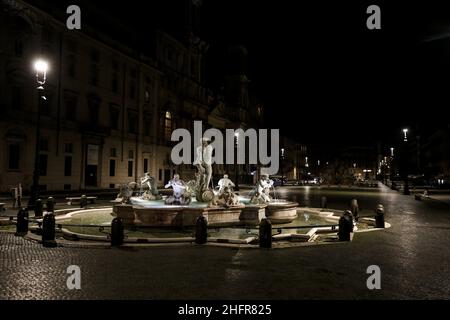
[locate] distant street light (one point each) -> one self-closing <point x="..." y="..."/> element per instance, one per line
<point x="282" y="167"/>
<point x="41" y="68"/>
<point x="236" y="172"/>
<point x="405" y="162"/>
<point x="405" y="135"/>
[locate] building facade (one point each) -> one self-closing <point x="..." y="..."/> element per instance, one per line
<point x="109" y="110"/>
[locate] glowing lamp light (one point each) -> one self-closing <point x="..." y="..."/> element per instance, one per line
<point x="405" y="134"/>
<point x="41" y="66"/>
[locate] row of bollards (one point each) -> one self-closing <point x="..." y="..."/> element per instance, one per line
<point x="346" y="225"/>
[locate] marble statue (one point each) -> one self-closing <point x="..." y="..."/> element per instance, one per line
<point x="262" y="190"/>
<point x="224" y="183"/>
<point x="225" y="199"/>
<point x="203" y="162"/>
<point x="152" y="192"/>
<point x="180" y="195"/>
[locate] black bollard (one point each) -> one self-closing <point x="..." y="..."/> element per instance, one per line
<point x="354" y="209"/>
<point x="345" y="226"/>
<point x="48" y="230"/>
<point x="38" y="208"/>
<point x="265" y="234"/>
<point x="117" y="232"/>
<point x="379" y="217"/>
<point x="201" y="230"/>
<point x="323" y="202"/>
<point x="50" y="204"/>
<point x="83" y="202"/>
<point x="22" y="222"/>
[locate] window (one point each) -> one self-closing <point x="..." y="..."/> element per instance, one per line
<point x="130" y="168"/>
<point x="67" y="166"/>
<point x="132" y="90"/>
<point x="68" y="147"/>
<point x="147" y="95"/>
<point x="145" y="165"/>
<point x="94" y="75"/>
<point x="43" y="144"/>
<point x="147" y="126"/>
<point x="168" y="125"/>
<point x="115" y="65"/>
<point x="113" y="152"/>
<point x="71" y="66"/>
<point x="130" y="154"/>
<point x="16" y="97"/>
<point x="160" y="174"/>
<point x="95" y="56"/>
<point x="112" y="167"/>
<point x="71" y="103"/>
<point x="67" y="187"/>
<point x="43" y="159"/>
<point x="114" y="115"/>
<point x="14" y="157"/>
<point x="94" y="108"/>
<point x="18" y="48"/>
<point x="115" y="83"/>
<point x="132" y="122"/>
<point x="133" y="73"/>
<point x="72" y="46"/>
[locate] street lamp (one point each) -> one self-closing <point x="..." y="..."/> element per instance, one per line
<point x="236" y="173"/>
<point x="41" y="68"/>
<point x="405" y="162"/>
<point x="282" y="168"/>
<point x="405" y="135"/>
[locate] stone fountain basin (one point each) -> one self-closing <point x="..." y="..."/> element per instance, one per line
<point x="157" y="214"/>
<point x="282" y="211"/>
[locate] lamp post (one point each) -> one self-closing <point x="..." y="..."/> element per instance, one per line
<point x="41" y="67"/>
<point x="236" y="173"/>
<point x="282" y="166"/>
<point x="405" y="162"/>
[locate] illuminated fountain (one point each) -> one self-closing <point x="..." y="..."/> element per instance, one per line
<point x="196" y="198"/>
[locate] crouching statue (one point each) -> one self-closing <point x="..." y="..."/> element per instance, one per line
<point x="262" y="191"/>
<point x="181" y="194"/>
<point x="152" y="192"/>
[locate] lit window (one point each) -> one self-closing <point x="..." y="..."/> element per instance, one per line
<point x="168" y="125"/>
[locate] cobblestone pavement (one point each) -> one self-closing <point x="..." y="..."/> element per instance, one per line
<point x="413" y="256"/>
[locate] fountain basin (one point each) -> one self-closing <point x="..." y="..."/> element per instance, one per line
<point x="185" y="216"/>
<point x="156" y="214"/>
<point x="282" y="211"/>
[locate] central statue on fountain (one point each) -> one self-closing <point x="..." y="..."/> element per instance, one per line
<point x="203" y="162"/>
<point x="262" y="190"/>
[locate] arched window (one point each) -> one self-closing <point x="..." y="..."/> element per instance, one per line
<point x="168" y="122"/>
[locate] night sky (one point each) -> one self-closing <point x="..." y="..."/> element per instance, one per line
<point x="323" y="76"/>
